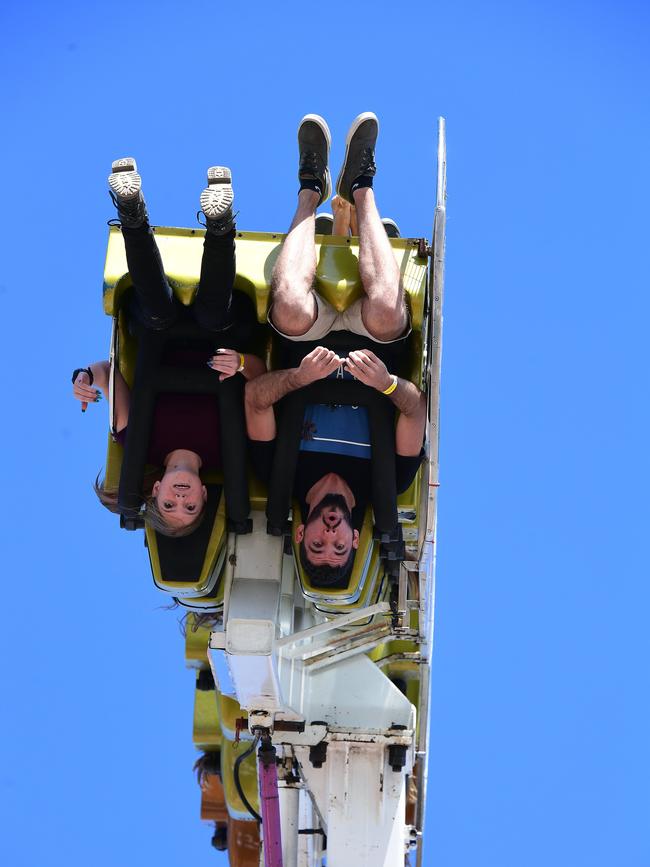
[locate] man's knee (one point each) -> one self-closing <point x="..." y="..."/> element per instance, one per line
<point x="384" y="320"/>
<point x="289" y="286"/>
<point x="292" y="312"/>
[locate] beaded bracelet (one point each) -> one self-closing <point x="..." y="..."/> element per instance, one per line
<point x="391" y="388"/>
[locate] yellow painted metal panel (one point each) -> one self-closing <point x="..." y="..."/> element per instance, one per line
<point x="247" y="775"/>
<point x="229" y="711"/>
<point x="206" y="731"/>
<point x="337" y="272"/>
<point x="196" y="643"/>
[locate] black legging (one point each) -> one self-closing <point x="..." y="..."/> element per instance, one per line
<point x="154" y="305"/>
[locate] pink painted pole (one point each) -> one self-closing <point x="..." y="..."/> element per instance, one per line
<point x="271" y="828"/>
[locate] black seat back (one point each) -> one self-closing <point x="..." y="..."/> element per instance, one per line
<point x="152" y="378"/>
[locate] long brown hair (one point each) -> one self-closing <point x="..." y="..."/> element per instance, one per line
<point x="152" y="515"/>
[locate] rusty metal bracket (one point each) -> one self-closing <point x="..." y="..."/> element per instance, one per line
<point x="424" y="250"/>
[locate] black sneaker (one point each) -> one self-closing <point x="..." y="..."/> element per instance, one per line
<point x="216" y="201"/>
<point x="126" y="191"/>
<point x="359" y="157"/>
<point x="314" y="142"/>
<point x="392" y="229"/>
<point x="324" y="224"/>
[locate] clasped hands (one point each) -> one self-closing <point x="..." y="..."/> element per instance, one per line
<point x="363" y="364"/>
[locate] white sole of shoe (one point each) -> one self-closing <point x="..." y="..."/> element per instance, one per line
<point x="322" y="124"/>
<point x="324" y="224"/>
<point x="356" y="123"/>
<point x="391" y="224"/>
<point x="218" y="196"/>
<point x="124" y="180"/>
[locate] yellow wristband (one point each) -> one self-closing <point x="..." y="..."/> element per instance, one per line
<point x="391" y="388"/>
<point x="241" y="363"/>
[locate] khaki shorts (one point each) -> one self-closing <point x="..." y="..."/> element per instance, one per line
<point x="328" y="319"/>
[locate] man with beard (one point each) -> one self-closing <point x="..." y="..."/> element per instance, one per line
<point x="333" y="480"/>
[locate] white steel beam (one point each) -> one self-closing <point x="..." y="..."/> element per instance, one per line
<point x="362" y="802"/>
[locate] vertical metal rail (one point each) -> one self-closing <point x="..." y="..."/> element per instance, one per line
<point x="427" y="563"/>
<point x="112" y="361"/>
<point x="269" y="803"/>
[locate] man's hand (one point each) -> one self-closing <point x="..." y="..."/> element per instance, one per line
<point x="317" y="365"/>
<point x="84" y="391"/>
<point x="364" y="365"/>
<point x="269" y="388"/>
<point x="226" y="362"/>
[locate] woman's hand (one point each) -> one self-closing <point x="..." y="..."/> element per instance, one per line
<point x="364" y="365"/>
<point x="317" y="365"/>
<point x="226" y="362"/>
<point x="84" y="391"/>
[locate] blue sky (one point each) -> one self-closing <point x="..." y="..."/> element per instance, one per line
<point x="539" y="748"/>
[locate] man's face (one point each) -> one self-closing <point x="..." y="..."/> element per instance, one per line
<point x="328" y="534"/>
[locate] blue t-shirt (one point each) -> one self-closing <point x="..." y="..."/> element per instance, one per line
<point x="336" y="429"/>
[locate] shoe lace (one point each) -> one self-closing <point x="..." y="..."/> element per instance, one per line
<point x="130" y="210"/>
<point x="222" y="221"/>
<point x="309" y="164"/>
<point x="367" y="162"/>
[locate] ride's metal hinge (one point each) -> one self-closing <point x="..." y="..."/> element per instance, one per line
<point x="341" y="621"/>
<point x="402" y="594"/>
<point x="402" y="631"/>
<point x="424" y="249"/>
<point x="351" y="644"/>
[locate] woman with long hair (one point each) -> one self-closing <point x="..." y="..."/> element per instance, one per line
<point x="185" y="430"/>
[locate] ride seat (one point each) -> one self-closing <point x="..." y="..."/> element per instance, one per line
<point x="183" y="567"/>
<point x="338" y="281"/>
<point x="362" y="578"/>
<point x="189" y="567"/>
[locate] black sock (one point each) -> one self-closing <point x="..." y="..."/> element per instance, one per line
<point x="360" y="182"/>
<point x="311" y="184"/>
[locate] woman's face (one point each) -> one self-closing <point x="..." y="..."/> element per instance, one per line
<point x="180" y="496"/>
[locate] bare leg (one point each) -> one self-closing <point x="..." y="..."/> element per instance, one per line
<point x="383" y="308"/>
<point x="342" y="211"/>
<point x="294" y="305"/>
<point x="354" y="226"/>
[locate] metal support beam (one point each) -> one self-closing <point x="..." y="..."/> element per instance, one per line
<point x="338" y="623"/>
<point x="427" y="556"/>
